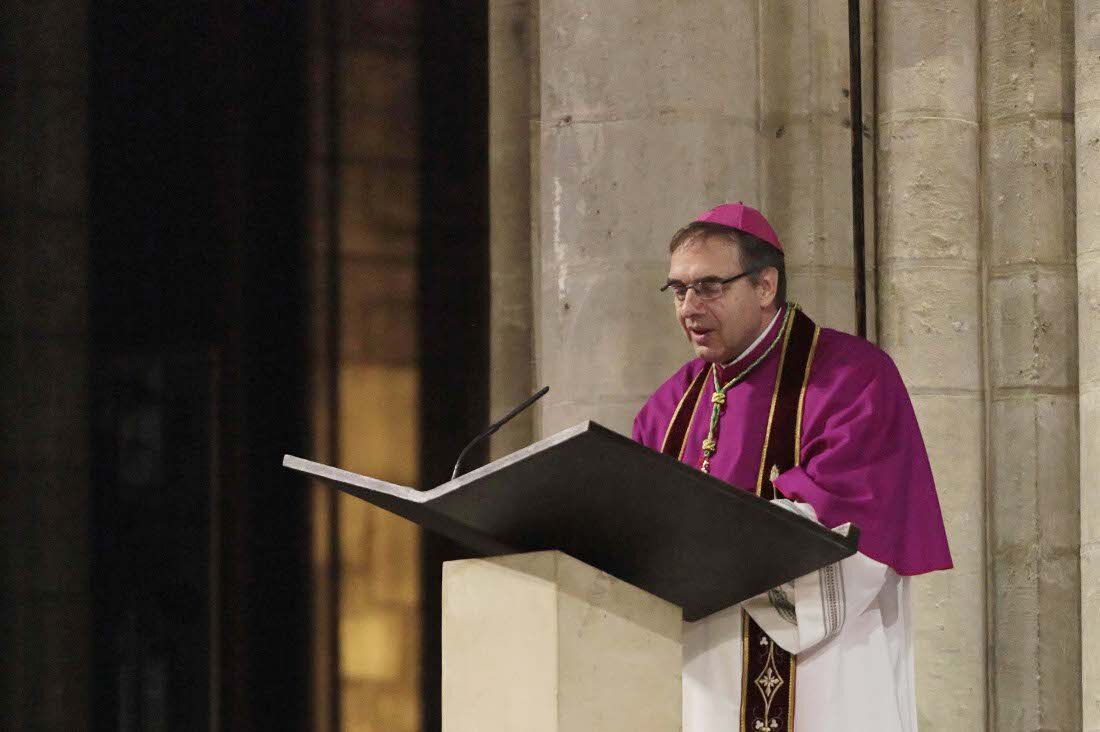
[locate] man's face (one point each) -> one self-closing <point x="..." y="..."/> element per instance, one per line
<point x="720" y="329"/>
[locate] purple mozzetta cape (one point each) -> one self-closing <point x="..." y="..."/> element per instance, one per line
<point x="862" y="456"/>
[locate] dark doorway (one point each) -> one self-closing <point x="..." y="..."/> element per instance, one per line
<point x="200" y="539"/>
<point x="454" y="276"/>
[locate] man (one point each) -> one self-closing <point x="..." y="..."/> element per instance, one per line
<point x="819" y="421"/>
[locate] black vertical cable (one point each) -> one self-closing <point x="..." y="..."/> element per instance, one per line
<point x="855" y="97"/>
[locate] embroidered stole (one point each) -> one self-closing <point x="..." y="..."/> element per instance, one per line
<point x="768" y="672"/>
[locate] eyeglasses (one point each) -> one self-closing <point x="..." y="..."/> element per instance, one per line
<point x="707" y="288"/>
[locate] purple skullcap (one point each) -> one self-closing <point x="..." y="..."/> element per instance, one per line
<point x="743" y="218"/>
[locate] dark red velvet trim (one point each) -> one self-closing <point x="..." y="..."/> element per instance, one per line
<point x="769" y="679"/>
<point x="681" y="421"/>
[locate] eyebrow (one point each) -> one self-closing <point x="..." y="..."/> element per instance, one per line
<point x="708" y="278"/>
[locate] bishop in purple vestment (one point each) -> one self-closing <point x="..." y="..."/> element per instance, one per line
<point x="860" y="460"/>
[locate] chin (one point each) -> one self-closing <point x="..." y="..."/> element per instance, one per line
<point x="708" y="354"/>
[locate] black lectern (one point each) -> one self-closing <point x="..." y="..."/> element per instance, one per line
<point x="642" y="517"/>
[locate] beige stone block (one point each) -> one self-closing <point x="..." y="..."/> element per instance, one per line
<point x="952" y="427"/>
<point x="623" y="59"/>
<point x="1027" y="49"/>
<point x="791" y="189"/>
<point x="928" y="190"/>
<point x="1033" y="329"/>
<point x="513" y="73"/>
<point x="511" y="375"/>
<point x="808" y="71"/>
<point x="542" y="642"/>
<point x="1087" y="128"/>
<point x="1016" y="648"/>
<point x="511" y="36"/>
<point x="949" y="607"/>
<point x="949" y="642"/>
<point x="1033" y="474"/>
<point x="1037" y="644"/>
<point x="929" y="323"/>
<point x="1060" y="649"/>
<point x="1089" y="404"/>
<point x="1088" y="314"/>
<point x="807" y="184"/>
<point x="1086" y="26"/>
<point x="1029" y="202"/>
<point x="620" y="190"/>
<point x="1090" y="635"/>
<point x="786" y="69"/>
<point x="616" y="413"/>
<point x="928" y="58"/>
<point x="827" y="297"/>
<point x="613" y="333"/>
<point x="816" y="32"/>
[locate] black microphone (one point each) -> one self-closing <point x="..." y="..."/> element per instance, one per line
<point x="497" y="425"/>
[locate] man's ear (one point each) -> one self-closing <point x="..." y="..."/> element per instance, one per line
<point x="767" y="283"/>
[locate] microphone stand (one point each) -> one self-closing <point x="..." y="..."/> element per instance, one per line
<point x="496" y="426"/>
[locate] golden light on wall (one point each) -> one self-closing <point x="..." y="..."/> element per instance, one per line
<point x="365" y="167"/>
<point x="379" y="630"/>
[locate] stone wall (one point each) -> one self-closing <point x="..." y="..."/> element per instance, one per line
<point x="637" y="128"/>
<point x="1087" y="134"/>
<point x="982" y="268"/>
<point x="1030" y="293"/>
<point x="930" y="319"/>
<point x="513" y="110"/>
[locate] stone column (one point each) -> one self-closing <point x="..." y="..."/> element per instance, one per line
<point x="545" y="643"/>
<point x="1031" y="304"/>
<point x="647" y="111"/>
<point x="1087" y="115"/>
<point x="930" y="322"/>
<point x="806" y="139"/>
<point x="511" y="44"/>
<point x="44" y="461"/>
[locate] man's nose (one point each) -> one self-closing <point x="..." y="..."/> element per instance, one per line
<point x="692" y="302"/>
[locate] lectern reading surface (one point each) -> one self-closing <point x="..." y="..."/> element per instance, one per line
<point x="640" y="516"/>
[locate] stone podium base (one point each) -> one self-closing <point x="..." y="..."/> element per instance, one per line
<point x="541" y="642"/>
